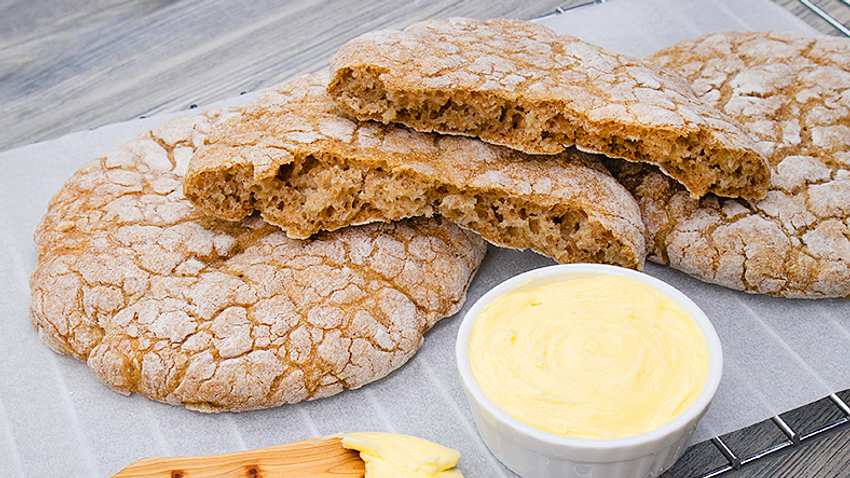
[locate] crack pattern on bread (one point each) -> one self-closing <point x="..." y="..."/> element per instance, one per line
<point x="792" y="93"/>
<point x="520" y="85"/>
<point x="291" y="157"/>
<point x="160" y="300"/>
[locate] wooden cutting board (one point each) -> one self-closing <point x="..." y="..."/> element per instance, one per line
<point x="316" y="458"/>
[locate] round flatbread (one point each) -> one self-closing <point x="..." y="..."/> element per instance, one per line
<point x="792" y="95"/>
<point x="521" y="85"/>
<point x="215" y="316"/>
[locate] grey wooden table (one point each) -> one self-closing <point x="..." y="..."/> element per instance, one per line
<point x="74" y="64"/>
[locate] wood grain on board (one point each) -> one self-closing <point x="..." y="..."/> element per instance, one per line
<point x="316" y="458"/>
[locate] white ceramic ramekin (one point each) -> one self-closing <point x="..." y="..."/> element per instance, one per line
<point x="533" y="453"/>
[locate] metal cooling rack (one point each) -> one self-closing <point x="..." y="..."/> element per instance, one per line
<point x="793" y="438"/>
<point x="827" y="17"/>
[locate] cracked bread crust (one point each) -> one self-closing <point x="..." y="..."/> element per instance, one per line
<point x="215" y="316"/>
<point x="792" y="93"/>
<point x="291" y="157"/>
<point x="520" y="85"/>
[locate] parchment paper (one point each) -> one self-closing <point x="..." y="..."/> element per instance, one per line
<point x="56" y="419"/>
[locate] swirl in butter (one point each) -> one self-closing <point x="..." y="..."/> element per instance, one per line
<point x="589" y="356"/>
<point x="390" y="455"/>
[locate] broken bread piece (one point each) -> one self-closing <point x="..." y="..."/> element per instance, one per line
<point x="158" y="299"/>
<point x="291" y="157"/>
<point x="792" y="93"/>
<point x="518" y="84"/>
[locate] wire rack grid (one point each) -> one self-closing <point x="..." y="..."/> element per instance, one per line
<point x="793" y="439"/>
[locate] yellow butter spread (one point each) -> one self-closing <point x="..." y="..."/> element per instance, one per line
<point x="390" y="455"/>
<point x="590" y="356"/>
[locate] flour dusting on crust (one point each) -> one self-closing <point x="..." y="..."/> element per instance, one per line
<point x="792" y="94"/>
<point x="215" y="316"/>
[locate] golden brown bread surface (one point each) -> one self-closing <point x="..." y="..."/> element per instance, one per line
<point x="158" y="299"/>
<point x="792" y="94"/>
<point x="291" y="157"/>
<point x="518" y="84"/>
